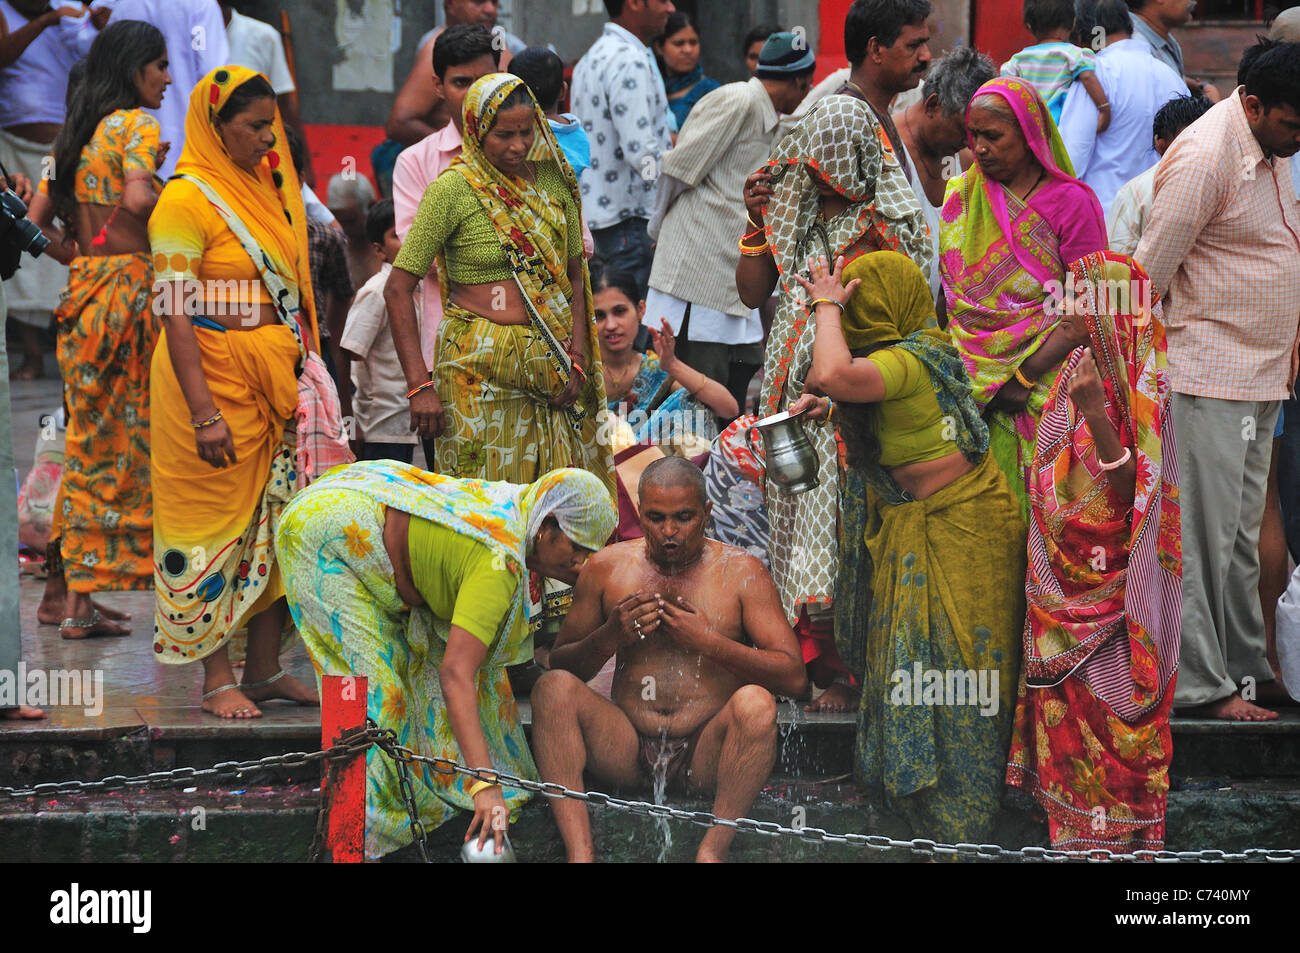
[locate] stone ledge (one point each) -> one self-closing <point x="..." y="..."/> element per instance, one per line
<point x="276" y="824"/>
<point x="812" y="745"/>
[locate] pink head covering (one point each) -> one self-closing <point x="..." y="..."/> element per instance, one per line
<point x="1065" y="196"/>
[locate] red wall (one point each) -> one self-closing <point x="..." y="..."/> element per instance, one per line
<point x="999" y="28"/>
<point x="333" y="146"/>
<point x="830" y="48"/>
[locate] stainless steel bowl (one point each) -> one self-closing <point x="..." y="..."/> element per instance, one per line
<point x="471" y="853"/>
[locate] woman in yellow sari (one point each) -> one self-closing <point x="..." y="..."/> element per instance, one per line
<point x="944" y="541"/>
<point x="518" y="389"/>
<point x="103" y="191"/>
<point x="518" y="384"/>
<point x="224" y="385"/>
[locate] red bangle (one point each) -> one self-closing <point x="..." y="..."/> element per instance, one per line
<point x="416" y="390"/>
<point x="578" y="367"/>
<point x="753" y="234"/>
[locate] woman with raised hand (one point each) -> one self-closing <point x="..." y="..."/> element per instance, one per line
<point x="420" y="582"/>
<point x="103" y="190"/>
<point x="830" y="188"/>
<point x="1010" y="225"/>
<point x="946" y="544"/>
<point x="660" y="397"/>
<point x="229" y="238"/>
<point x="1101" y="641"/>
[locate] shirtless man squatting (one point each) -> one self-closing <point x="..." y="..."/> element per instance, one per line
<point x="702" y="649"/>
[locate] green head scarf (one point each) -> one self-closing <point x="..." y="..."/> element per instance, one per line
<point x="892" y="302"/>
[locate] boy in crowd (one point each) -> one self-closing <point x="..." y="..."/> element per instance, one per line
<point x="1053" y="63"/>
<point x="379" y="402"/>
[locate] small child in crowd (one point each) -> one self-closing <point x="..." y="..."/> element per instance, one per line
<point x="379" y="406"/>
<point x="543" y="72"/>
<point x="1053" y="62"/>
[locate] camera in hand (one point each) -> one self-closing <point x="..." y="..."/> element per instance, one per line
<point x="17" y="234"/>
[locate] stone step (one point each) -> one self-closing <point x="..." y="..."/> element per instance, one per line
<point x="275" y="823"/>
<point x="812" y="745"/>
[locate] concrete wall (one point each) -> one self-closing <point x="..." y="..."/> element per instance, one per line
<point x="317" y="49"/>
<point x="573" y="25"/>
<point x="362" y="93"/>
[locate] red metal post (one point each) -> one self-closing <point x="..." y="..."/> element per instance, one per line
<point x="342" y="710"/>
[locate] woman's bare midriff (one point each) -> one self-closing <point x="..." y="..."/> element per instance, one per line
<point x="397" y="532"/>
<point x="243" y="315"/>
<point x="497" y="301"/>
<point x="127" y="235"/>
<point x="927" y="477"/>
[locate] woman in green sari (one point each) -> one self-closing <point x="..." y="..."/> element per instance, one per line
<point x="941" y="655"/>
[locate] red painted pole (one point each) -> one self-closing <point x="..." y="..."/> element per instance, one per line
<point x="342" y="710"/>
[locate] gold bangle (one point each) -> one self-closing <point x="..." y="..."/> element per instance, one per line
<point x="479" y="786"/>
<point x="817" y="301"/>
<point x="830" y="409"/>
<point x="752" y="251"/>
<point x="1025" y="382"/>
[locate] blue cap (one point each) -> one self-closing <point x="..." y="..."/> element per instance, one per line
<point x="785" y="53"/>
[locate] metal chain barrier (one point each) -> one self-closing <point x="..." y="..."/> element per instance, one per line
<point x="386" y="740"/>
<point x="354" y="744"/>
<point x="815" y="835"/>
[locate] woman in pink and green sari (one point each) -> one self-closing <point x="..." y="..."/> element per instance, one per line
<point x="1010" y="224"/>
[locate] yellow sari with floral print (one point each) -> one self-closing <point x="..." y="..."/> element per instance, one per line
<point x="496" y="380"/>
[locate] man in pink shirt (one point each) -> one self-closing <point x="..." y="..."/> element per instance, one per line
<point x="1223" y="244"/>
<point x="461" y="54"/>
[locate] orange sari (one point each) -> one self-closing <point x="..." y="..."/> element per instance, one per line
<point x="106" y="335"/>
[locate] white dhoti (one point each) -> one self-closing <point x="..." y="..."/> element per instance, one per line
<point x="34" y="290"/>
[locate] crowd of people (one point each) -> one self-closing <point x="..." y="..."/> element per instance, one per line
<point x="989" y="297"/>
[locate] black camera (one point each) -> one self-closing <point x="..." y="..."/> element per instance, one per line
<point x="17" y="234"/>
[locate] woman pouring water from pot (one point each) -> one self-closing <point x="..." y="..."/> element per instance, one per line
<point x="945" y="540"/>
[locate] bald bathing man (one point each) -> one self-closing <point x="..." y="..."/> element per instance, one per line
<point x="702" y="648"/>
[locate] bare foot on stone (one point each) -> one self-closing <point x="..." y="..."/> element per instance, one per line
<point x="21" y="713"/>
<point x="99" y="627"/>
<point x="838" y="697"/>
<point x="1232" y="708"/>
<point x="230" y="702"/>
<point x="32" y="369"/>
<point x="52" y="611"/>
<point x="285" y="686"/>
